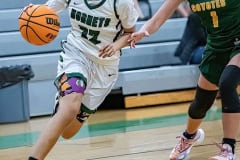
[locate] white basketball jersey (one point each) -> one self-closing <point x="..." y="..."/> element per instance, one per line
<point x="96" y="23"/>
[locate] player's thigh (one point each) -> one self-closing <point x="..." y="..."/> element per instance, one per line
<point x="206" y="84"/>
<point x="211" y="68"/>
<point x="99" y="86"/>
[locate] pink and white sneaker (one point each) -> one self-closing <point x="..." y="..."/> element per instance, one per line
<point x="225" y="153"/>
<point x="184" y="146"/>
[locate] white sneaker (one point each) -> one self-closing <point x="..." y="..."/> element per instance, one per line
<point x="225" y="153"/>
<point x="184" y="146"/>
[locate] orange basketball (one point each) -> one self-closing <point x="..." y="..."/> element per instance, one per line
<point x="38" y="24"/>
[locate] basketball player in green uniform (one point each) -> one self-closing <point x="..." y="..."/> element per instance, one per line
<point x="88" y="64"/>
<point x="219" y="71"/>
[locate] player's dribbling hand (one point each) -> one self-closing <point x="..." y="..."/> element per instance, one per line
<point x="25" y="8"/>
<point x="136" y="37"/>
<point x="107" y="51"/>
<point x="30" y="5"/>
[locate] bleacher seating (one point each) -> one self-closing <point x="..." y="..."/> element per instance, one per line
<point x="151" y="67"/>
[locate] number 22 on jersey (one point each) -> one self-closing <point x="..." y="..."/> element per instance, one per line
<point x="214" y="19"/>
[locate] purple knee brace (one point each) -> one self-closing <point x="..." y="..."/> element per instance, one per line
<point x="71" y="85"/>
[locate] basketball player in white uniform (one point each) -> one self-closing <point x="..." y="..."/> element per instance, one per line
<point x="88" y="64"/>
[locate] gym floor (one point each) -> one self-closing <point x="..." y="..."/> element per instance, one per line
<point x="146" y="133"/>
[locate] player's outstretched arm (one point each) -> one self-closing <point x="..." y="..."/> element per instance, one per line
<point x="153" y="24"/>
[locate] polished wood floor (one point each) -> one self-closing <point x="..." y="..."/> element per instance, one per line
<point x="125" y="134"/>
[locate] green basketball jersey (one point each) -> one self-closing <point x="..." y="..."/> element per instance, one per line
<point x="222" y="21"/>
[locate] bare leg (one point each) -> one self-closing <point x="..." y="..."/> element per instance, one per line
<point x="231" y="121"/>
<point x="72" y="128"/>
<point x="67" y="111"/>
<point x="204" y="98"/>
<point x="193" y="124"/>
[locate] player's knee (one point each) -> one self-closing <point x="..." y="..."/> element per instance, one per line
<point x="201" y="104"/>
<point x="72" y="129"/>
<point x="77" y="123"/>
<point x="73" y="104"/>
<point x="228" y="83"/>
<point x="70" y="89"/>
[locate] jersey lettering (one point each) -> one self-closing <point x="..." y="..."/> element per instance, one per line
<point x="207" y="6"/>
<point x="90" y="20"/>
<point x="214" y="19"/>
<point x="90" y="35"/>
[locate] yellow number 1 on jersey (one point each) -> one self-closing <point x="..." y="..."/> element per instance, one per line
<point x="214" y="19"/>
